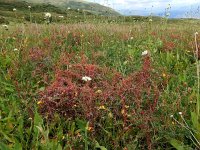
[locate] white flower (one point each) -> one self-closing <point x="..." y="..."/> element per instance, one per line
<point x="171" y="116"/>
<point x="47" y="15"/>
<point x="150" y="20"/>
<point x="61" y="16"/>
<point x="14" y="9"/>
<point x="78" y="9"/>
<point x="144" y="53"/>
<point x="86" y="78"/>
<point x="29" y="7"/>
<point x="15" y="49"/>
<point x="196" y="33"/>
<point x="131" y="38"/>
<point x="180" y="113"/>
<point x="68" y="8"/>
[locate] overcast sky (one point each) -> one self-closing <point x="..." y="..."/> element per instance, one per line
<point x="147" y="6"/>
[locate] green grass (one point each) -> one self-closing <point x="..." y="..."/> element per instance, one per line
<point x="44" y="104"/>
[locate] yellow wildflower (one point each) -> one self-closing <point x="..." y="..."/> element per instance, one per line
<point x="89" y="128"/>
<point x="98" y="92"/>
<point x="110" y="115"/>
<point x="39" y="102"/>
<point x="122" y="111"/>
<point x="164" y="75"/>
<point x="126" y="106"/>
<point x="102" y="107"/>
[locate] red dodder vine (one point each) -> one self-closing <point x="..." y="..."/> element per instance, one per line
<point x="135" y="95"/>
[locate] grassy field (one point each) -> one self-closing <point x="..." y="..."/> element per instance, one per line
<point x="118" y="84"/>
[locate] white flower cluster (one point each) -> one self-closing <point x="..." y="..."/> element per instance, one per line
<point x="144" y="53"/>
<point x="60" y="16"/>
<point x="47" y="15"/>
<point x="86" y="78"/>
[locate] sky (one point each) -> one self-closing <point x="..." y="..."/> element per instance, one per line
<point x="145" y="7"/>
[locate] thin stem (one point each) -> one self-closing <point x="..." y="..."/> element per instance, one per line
<point x="188" y="128"/>
<point x="198" y="76"/>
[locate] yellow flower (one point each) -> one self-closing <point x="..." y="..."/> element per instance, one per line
<point x="126" y="106"/>
<point x="102" y="107"/>
<point x="98" y="92"/>
<point x="164" y="75"/>
<point x="89" y="128"/>
<point x="39" y="102"/>
<point x="188" y="51"/>
<point x="122" y="111"/>
<point x="110" y="115"/>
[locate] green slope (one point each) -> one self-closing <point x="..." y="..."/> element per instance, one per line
<point x="78" y="4"/>
<point x="38" y="9"/>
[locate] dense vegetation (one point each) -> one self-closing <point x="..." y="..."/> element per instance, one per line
<point x="98" y="82"/>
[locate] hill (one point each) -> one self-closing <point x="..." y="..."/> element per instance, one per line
<point x="79" y="11"/>
<point x="77" y="4"/>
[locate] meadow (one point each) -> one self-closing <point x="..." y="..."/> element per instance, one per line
<point x="111" y="83"/>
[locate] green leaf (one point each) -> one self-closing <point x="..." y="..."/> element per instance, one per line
<point x="17" y="146"/>
<point x="6" y="137"/>
<point x="177" y="144"/>
<point x="38" y="121"/>
<point x="4" y="146"/>
<point x="196" y="124"/>
<point x="81" y="124"/>
<point x="59" y="147"/>
<point x="195" y="121"/>
<point x="100" y="147"/>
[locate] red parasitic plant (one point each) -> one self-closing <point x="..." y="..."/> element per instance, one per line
<point x="71" y="97"/>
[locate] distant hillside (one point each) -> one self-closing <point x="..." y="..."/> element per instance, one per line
<point x="77" y="12"/>
<point x="78" y="4"/>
